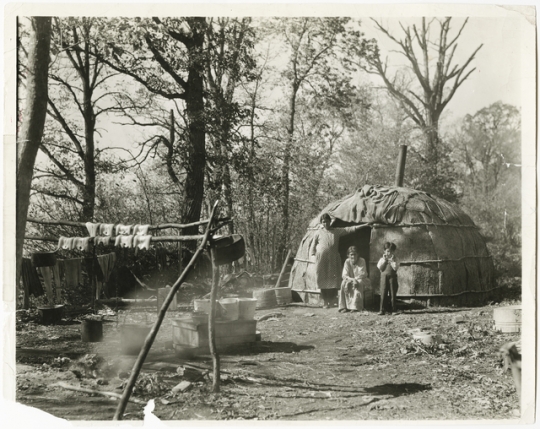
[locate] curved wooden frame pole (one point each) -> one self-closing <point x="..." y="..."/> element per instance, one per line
<point x="128" y="390"/>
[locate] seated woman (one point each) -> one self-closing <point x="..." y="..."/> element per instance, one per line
<point x="355" y="282"/>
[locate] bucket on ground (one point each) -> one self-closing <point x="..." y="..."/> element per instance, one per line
<point x="230" y="308"/>
<point x="246" y="308"/>
<point x="51" y="315"/>
<point x="201" y="305"/>
<point x="266" y="298"/>
<point x="507" y="319"/>
<point x="162" y="295"/>
<point x="132" y="338"/>
<point x="91" y="330"/>
<point x="283" y="295"/>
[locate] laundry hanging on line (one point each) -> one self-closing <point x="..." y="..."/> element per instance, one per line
<point x="57" y="281"/>
<point x="93" y="228"/>
<point x="142" y="241"/>
<point x="46" y="273"/>
<point x="140" y="229"/>
<point x="125" y="241"/>
<point x="106" y="263"/>
<point x="102" y="240"/>
<point x="82" y="244"/>
<point x="30" y="278"/>
<point x="107" y="229"/>
<point x="123" y="229"/>
<point x="75" y="243"/>
<point x="73" y="272"/>
<point x="66" y="243"/>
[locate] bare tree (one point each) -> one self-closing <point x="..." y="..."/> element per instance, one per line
<point x="311" y="43"/>
<point x="228" y="62"/>
<point x="78" y="96"/>
<point x="32" y="126"/>
<point x="439" y="80"/>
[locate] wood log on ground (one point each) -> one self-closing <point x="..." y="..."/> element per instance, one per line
<point x="126" y="301"/>
<point x="97" y="392"/>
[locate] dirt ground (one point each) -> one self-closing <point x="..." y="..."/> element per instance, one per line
<point x="311" y="364"/>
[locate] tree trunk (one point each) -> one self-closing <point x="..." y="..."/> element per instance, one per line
<point x="196" y="149"/>
<point x="227" y="194"/>
<point x="89" y="194"/>
<point x="251" y="210"/>
<point x="32" y="126"/>
<point x="432" y="140"/>
<point x="285" y="182"/>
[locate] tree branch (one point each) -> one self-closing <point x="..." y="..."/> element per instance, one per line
<point x="68" y="173"/>
<point x="70" y="89"/>
<point x="164" y="64"/>
<point x="58" y="116"/>
<point x="55" y="195"/>
<point x="137" y="78"/>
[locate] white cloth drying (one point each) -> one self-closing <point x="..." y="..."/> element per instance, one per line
<point x="82" y="243"/>
<point x="102" y="240"/>
<point x="123" y="229"/>
<point x="106" y="229"/>
<point x="124" y="241"/>
<point x="65" y="243"/>
<point x="142" y="241"/>
<point x="140" y="229"/>
<point x="93" y="228"/>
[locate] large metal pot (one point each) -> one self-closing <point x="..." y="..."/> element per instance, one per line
<point x="229" y="248"/>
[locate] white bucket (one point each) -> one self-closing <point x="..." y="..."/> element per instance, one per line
<point x="230" y="308"/>
<point x="246" y="308"/>
<point x="201" y="305"/>
<point x="507" y="319"/>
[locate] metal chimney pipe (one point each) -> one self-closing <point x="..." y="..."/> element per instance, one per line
<point x="400" y="171"/>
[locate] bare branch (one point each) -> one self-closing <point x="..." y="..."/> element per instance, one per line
<point x="56" y="195"/>
<point x="459" y="33"/>
<point x="64" y="170"/>
<point x="58" y="116"/>
<point x="147" y="85"/>
<point x="164" y="64"/>
<point x="70" y="89"/>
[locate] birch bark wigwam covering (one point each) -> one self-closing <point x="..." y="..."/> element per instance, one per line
<point x="443" y="256"/>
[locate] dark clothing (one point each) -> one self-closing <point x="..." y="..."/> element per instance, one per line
<point x="389" y="287"/>
<point x="329" y="295"/>
<point x="30" y="278"/>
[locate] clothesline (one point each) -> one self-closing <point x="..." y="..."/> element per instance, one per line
<point x="163" y="238"/>
<point x="152" y="227"/>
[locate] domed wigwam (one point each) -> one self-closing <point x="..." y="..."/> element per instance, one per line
<point x="443" y="256"/>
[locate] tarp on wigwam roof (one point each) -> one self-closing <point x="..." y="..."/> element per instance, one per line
<point x="376" y="204"/>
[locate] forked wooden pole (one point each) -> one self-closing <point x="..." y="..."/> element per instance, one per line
<point x="212" y="323"/>
<point x="161" y="315"/>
